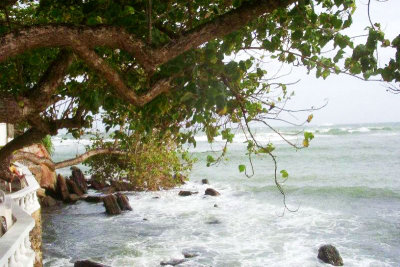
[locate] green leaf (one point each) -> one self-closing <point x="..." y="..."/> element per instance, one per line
<point x="242" y="168"/>
<point x="284" y="174"/>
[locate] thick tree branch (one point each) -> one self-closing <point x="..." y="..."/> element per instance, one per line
<point x="113" y="78"/>
<point x="88" y="154"/>
<point x="20" y="155"/>
<point x="218" y="27"/>
<point x="14" y="110"/>
<point x="33" y="37"/>
<point x="41" y="96"/>
<point x="31" y="136"/>
<point x="29" y="38"/>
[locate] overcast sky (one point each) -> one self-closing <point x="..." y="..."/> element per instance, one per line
<point x="351" y="100"/>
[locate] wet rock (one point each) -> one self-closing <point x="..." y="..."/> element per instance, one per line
<point x="329" y="254"/>
<point x="211" y="192"/>
<point x="190" y="254"/>
<point x="173" y="262"/>
<point x="214" y="221"/>
<point x="62" y="188"/>
<point x="47" y="201"/>
<point x="185" y="193"/>
<point x="94" y="199"/>
<point x="73" y="187"/>
<point x="96" y="184"/>
<point x="122" y="186"/>
<point x="74" y="198"/>
<point x="108" y="190"/>
<point x="215" y="206"/>
<point x="204" y="181"/>
<point x="155" y="197"/>
<point x="123" y="202"/>
<point x="79" y="179"/>
<point x="111" y="204"/>
<point x="87" y="263"/>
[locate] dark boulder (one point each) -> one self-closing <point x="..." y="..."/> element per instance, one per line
<point x="215" y="206"/>
<point x="204" y="181"/>
<point x="211" y="192"/>
<point x="122" y="186"/>
<point x="190" y="254"/>
<point x="94" y="199"/>
<point x="62" y="188"/>
<point x="87" y="263"/>
<point x="123" y="201"/>
<point x="329" y="254"/>
<point x="111" y="205"/>
<point x="214" y="221"/>
<point x="173" y="262"/>
<point x="186" y="193"/>
<point x="96" y="185"/>
<point x="73" y="187"/>
<point x="79" y="179"/>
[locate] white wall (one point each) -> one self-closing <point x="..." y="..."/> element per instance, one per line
<point x="3" y="134"/>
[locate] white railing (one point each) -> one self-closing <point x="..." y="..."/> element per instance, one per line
<point x="15" y="246"/>
<point x="26" y="198"/>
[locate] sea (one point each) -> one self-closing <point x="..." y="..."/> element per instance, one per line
<point x="344" y="190"/>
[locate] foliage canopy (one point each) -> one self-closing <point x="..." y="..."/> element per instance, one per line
<point x="169" y="65"/>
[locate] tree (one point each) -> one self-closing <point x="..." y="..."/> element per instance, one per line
<point x="169" y="64"/>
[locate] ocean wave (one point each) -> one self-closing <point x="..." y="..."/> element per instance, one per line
<point x="349" y="130"/>
<point x="353" y="191"/>
<point x="350" y="191"/>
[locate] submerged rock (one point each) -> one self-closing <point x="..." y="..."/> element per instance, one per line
<point x="87" y="263"/>
<point x="122" y="186"/>
<point x="329" y="254"/>
<point x="186" y="193"/>
<point x="111" y="205"/>
<point x="62" y="188"/>
<point x="190" y="254"/>
<point x="73" y="187"/>
<point x="123" y="201"/>
<point x="94" y="199"/>
<point x="79" y="179"/>
<point x="211" y="192"/>
<point x="204" y="181"/>
<point x="95" y="184"/>
<point x="214" y="221"/>
<point x="173" y="262"/>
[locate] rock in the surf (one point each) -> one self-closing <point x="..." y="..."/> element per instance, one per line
<point x="329" y="254"/>
<point x="73" y="187"/>
<point x="173" y="262"/>
<point x="79" y="179"/>
<point x="186" y="193"/>
<point x="111" y="205"/>
<point x="123" y="201"/>
<point x="94" y="198"/>
<point x="205" y="181"/>
<point x="62" y="188"/>
<point x="211" y="192"/>
<point x="87" y="263"/>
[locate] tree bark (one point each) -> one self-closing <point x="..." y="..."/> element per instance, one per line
<point x="85" y="156"/>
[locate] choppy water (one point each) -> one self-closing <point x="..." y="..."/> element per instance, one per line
<point x="346" y="186"/>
